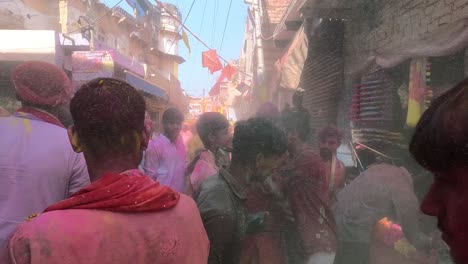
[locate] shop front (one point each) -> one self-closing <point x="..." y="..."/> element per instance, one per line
<point x="398" y="83"/>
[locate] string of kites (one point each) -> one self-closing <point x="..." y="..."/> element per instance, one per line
<point x="211" y="60"/>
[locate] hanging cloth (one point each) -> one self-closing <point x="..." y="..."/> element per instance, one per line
<point x="417" y="91"/>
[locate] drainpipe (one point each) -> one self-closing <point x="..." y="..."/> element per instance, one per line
<point x="258" y="13"/>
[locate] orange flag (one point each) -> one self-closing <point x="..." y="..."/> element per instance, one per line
<point x="211" y="61"/>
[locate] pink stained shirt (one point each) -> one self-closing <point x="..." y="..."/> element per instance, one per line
<point x="38" y="167"/>
<point x="75" y="236"/>
<point x="166" y="162"/>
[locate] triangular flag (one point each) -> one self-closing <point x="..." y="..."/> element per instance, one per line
<point x="211" y="61"/>
<point x="186" y="41"/>
<point x="228" y="72"/>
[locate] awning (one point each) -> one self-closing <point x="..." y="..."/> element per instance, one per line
<point x="25" y="45"/>
<point x="445" y="40"/>
<point x="145" y="86"/>
<point x="288" y="68"/>
<point x="295" y="59"/>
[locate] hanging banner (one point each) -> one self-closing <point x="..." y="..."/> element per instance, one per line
<point x="417" y="91"/>
<point x="186" y="41"/>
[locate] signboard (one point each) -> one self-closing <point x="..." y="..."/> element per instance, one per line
<point x="88" y="65"/>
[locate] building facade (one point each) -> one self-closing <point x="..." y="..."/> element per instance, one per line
<point x="89" y="39"/>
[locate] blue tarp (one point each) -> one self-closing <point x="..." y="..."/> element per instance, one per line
<point x="145" y="86"/>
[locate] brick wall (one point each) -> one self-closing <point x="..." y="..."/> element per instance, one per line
<point x="398" y="21"/>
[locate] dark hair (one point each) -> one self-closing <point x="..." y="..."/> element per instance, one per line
<point x="296" y="122"/>
<point x="210" y="122"/>
<point x="440" y="141"/>
<point x="171" y="115"/>
<point x="329" y="131"/>
<point x="106" y="114"/>
<point x="255" y="136"/>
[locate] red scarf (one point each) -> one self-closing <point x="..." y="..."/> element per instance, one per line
<point x="41" y="115"/>
<point x="131" y="191"/>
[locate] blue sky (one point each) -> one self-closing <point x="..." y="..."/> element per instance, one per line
<point x="208" y="23"/>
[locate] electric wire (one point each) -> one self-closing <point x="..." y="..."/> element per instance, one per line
<point x="185" y="20"/>
<point x="97" y="20"/>
<point x="225" y="25"/>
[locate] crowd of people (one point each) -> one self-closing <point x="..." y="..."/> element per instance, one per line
<point x="84" y="178"/>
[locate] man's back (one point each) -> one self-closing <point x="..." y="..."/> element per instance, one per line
<point x="170" y="236"/>
<point x="37" y="168"/>
<point x="221" y="204"/>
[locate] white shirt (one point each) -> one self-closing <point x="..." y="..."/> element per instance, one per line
<point x="38" y="168"/>
<point x="166" y="162"/>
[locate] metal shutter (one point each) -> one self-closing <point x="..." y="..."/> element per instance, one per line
<point x="322" y="77"/>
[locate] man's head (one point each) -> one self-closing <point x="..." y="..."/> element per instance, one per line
<point x="41" y="84"/>
<point x="269" y="111"/>
<point x="440" y="144"/>
<point x="329" y="139"/>
<point x="296" y="127"/>
<point x="259" y="146"/>
<point x="108" y="116"/>
<point x="172" y="120"/>
<point x="213" y="129"/>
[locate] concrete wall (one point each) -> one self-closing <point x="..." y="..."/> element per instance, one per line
<point x="398" y="21"/>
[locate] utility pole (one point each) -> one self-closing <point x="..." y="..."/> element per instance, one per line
<point x="258" y="13"/>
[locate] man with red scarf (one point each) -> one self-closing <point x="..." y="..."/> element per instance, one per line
<point x="123" y="216"/>
<point x="38" y="166"/>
